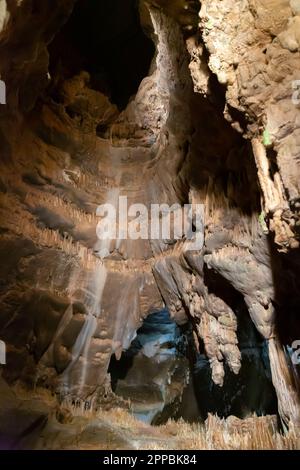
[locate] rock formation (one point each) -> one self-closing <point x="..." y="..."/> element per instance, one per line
<point x="211" y="117"/>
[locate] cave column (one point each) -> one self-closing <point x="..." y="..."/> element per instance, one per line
<point x="288" y="400"/>
<point x="273" y="195"/>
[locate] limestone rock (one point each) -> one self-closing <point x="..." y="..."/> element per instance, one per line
<point x="213" y="121"/>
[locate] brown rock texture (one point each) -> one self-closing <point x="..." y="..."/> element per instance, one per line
<point x="215" y="122"/>
<point x="254" y="51"/>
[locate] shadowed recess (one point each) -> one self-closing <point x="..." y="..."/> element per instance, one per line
<point x="107" y="40"/>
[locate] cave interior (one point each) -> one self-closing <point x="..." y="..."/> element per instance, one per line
<point x="155" y="328"/>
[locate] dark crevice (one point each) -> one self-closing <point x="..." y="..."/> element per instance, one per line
<point x="105" y="39"/>
<point x="251" y="391"/>
<point x="272" y="157"/>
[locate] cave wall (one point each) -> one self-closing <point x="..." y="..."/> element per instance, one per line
<point x="212" y="123"/>
<point x="71" y="324"/>
<point x="254" y="51"/>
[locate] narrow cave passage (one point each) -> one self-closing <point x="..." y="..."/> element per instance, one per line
<point x="106" y="39"/>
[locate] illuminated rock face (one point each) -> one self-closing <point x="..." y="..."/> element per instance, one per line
<point x="254" y="51"/>
<point x="212" y="122"/>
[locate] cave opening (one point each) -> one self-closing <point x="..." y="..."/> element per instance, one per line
<point x="164" y="377"/>
<point x="107" y="40"/>
<point x="153" y="372"/>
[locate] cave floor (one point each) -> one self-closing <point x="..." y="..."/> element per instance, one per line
<point x="32" y="420"/>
